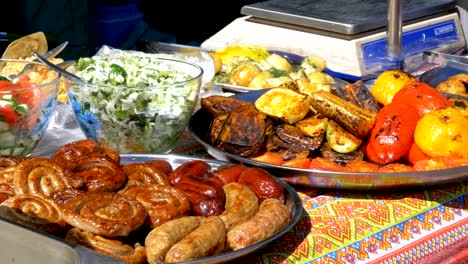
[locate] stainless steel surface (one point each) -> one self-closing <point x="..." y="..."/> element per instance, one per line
<point x="21" y="245"/>
<point x="394" y="29"/>
<point x="59" y="69"/>
<point x="162" y="47"/>
<point x="199" y="128"/>
<point x="342" y="16"/>
<point x="48" y="55"/>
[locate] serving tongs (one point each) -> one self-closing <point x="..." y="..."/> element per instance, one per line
<point x="60" y="69"/>
<point x="163" y="47"/>
<point x="444" y="59"/>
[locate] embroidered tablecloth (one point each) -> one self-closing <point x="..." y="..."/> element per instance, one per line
<point x="418" y="226"/>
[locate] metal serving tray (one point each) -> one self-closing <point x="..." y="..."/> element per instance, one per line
<point x="20" y="244"/>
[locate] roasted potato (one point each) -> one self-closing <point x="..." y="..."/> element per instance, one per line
<point x="244" y="73"/>
<point x="313" y="64"/>
<point x="453" y="86"/>
<point x="284" y="104"/>
<point x="260" y="81"/>
<point x="278" y="62"/>
<point x="317" y="81"/>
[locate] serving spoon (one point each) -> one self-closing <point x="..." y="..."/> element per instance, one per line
<point x="30" y="66"/>
<point x="59" y="69"/>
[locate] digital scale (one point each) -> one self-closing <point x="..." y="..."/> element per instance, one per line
<point x="349" y="34"/>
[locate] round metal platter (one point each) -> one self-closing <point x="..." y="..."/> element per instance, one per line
<point x="294" y="59"/>
<point x="199" y="128"/>
<point x="292" y="201"/>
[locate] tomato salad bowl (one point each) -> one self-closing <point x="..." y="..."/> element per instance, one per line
<point x="27" y="103"/>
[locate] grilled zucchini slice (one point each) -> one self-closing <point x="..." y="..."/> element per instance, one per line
<point x="354" y="119"/>
<point x="341" y="140"/>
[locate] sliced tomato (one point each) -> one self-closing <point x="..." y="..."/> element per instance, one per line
<point x="4" y="85"/>
<point x="8" y="114"/>
<point x="435" y="163"/>
<point x="300" y="162"/>
<point x="395" y="167"/>
<point x="270" y="157"/>
<point x="320" y="163"/>
<point x="361" y="166"/>
<point x="31" y="97"/>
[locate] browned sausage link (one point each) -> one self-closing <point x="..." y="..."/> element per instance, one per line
<point x="162" y="165"/>
<point x="230" y="174"/>
<point x="109" y="247"/>
<point x="205" y="186"/>
<point x="241" y="204"/>
<point x="271" y="217"/>
<point x="34" y="211"/>
<point x="8" y="161"/>
<point x="83" y="148"/>
<point x="40" y="177"/>
<point x="262" y="183"/>
<point x="203" y="205"/>
<point x="99" y="173"/>
<point x="207" y="239"/>
<point x="162" y="202"/>
<point x="208" y="207"/>
<point x="143" y="174"/>
<point x="6" y="174"/>
<point x="163" y="237"/>
<point x="102" y="213"/>
<point x="6" y="191"/>
<point x="196" y="168"/>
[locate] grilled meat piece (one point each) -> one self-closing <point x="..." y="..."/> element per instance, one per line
<point x="340" y="158"/>
<point x="217" y="104"/>
<point x="293" y="135"/>
<point x="358" y="94"/>
<point x="241" y="132"/>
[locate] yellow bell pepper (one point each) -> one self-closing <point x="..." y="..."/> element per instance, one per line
<point x="388" y="84"/>
<point x="443" y="132"/>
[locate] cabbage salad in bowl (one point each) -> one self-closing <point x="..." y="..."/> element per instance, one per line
<point x="134" y="103"/>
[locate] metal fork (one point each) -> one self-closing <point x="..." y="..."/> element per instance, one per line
<point x="30" y="66"/>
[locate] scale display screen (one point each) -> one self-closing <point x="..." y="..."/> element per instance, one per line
<point x="413" y="42"/>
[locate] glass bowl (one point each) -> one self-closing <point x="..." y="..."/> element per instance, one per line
<point x="26" y="105"/>
<point x="134" y="104"/>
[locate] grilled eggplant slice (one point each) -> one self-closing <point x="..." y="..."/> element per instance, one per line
<point x="284" y="104"/>
<point x="341" y="140"/>
<point x="341" y="158"/>
<point x="286" y="150"/>
<point x="217" y="104"/>
<point x="293" y="135"/>
<point x="354" y="119"/>
<point x="241" y="132"/>
<point x="358" y="94"/>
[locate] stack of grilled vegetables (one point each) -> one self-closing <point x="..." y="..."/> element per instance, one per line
<point x="385" y="127"/>
<point x="294" y="124"/>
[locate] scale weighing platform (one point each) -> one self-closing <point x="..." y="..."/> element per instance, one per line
<point x="349" y="34"/>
